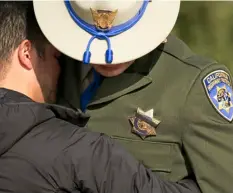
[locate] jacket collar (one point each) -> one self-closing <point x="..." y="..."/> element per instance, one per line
<point x="7" y="96"/>
<point x="71" y="115"/>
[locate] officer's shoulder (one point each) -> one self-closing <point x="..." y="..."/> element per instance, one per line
<point x="177" y="49"/>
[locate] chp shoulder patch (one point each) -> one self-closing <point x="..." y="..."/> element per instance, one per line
<point x="218" y="86"/>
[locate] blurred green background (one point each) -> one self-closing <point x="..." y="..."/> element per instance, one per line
<point x="207" y="27"/>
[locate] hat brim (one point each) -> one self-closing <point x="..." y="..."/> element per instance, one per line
<point x="151" y="30"/>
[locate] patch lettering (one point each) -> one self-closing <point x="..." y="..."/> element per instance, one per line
<point x="218" y="87"/>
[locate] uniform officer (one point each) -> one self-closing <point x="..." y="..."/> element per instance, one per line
<point x="155" y="96"/>
<point x="45" y="147"/>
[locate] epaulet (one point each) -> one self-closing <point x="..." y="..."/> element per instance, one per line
<point x="178" y="49"/>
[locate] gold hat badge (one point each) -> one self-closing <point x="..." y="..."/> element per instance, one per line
<point x="103" y="19"/>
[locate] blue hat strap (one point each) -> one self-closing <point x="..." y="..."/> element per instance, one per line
<point x="108" y="53"/>
<point x="104" y="34"/>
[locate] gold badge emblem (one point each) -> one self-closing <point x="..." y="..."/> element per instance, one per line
<point x="103" y="19"/>
<point x="144" y="123"/>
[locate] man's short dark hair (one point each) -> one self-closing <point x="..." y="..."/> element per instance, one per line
<point x="17" y="23"/>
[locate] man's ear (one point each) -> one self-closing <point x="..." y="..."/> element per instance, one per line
<point x="25" y="53"/>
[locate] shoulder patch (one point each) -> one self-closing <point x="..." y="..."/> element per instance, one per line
<point x="218" y="86"/>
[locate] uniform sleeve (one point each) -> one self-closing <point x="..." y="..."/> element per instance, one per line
<point x="100" y="165"/>
<point x="208" y="137"/>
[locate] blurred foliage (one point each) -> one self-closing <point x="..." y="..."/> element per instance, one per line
<point x="207" y="27"/>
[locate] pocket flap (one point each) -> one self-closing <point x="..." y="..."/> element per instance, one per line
<point x="154" y="155"/>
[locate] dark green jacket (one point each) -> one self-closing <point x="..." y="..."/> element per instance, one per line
<point x="194" y="137"/>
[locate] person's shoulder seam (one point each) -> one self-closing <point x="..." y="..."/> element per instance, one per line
<point x="205" y="60"/>
<point x="190" y="60"/>
<point x="177" y="49"/>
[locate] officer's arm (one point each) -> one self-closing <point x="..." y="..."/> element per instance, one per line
<point x="101" y="165"/>
<point x="208" y="137"/>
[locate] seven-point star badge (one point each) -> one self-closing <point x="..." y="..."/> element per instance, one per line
<point x="144" y="123"/>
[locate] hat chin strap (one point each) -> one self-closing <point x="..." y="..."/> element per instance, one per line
<point x="103" y="34"/>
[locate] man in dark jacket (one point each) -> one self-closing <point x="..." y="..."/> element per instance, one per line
<point x="169" y="107"/>
<point x="46" y="148"/>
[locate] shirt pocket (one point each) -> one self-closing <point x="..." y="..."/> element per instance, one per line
<point x="154" y="155"/>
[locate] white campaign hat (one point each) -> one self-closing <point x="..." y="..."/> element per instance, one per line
<point x="106" y="31"/>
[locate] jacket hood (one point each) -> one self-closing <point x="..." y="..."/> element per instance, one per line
<point x="19" y="115"/>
